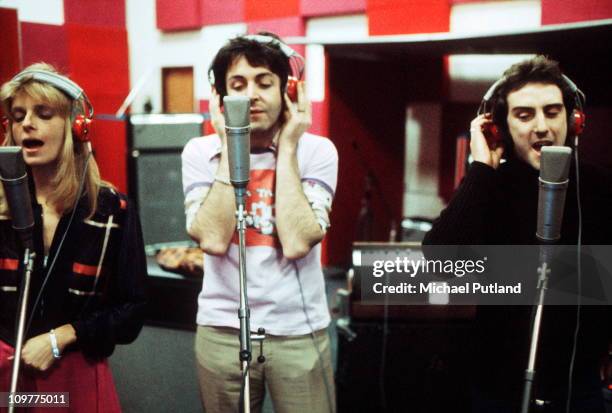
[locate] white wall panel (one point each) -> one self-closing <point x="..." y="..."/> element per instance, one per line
<point x="37" y="11"/>
<point x="151" y="50"/>
<point x="328" y="28"/>
<point x="471" y="74"/>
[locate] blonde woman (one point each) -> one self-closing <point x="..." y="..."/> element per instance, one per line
<point x="88" y="283"/>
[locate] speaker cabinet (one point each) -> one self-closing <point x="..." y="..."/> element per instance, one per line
<point x="156" y="143"/>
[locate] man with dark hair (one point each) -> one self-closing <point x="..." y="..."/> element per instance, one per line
<point x="292" y="182"/>
<point x="496" y="204"/>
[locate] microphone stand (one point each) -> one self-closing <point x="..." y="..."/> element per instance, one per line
<point x="544" y="275"/>
<point x="28" y="265"/>
<point x="244" y="312"/>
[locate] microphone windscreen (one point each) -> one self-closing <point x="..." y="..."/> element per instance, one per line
<point x="555" y="163"/>
<point x="12" y="165"/>
<point x="236" y="111"/>
<point x="17" y="192"/>
<point x="237" y="130"/>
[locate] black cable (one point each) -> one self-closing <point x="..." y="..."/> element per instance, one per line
<point x="314" y="341"/>
<point x="59" y="248"/>
<point x="579" y="263"/>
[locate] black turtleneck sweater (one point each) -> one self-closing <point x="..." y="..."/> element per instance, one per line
<point x="499" y="207"/>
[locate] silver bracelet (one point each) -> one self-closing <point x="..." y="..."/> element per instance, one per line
<point x="54" y="348"/>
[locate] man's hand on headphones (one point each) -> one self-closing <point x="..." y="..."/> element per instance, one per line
<point x="298" y="118"/>
<point x="216" y="116"/>
<point x="479" y="147"/>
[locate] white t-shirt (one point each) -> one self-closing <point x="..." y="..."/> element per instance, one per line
<point x="272" y="285"/>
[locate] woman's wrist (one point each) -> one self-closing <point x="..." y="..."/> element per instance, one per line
<point x="66" y="335"/>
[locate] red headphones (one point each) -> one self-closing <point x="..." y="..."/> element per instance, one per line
<point x="296" y="62"/>
<point x="82" y="114"/>
<point x="577" y="118"/>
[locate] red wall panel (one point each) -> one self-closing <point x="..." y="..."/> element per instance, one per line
<point x="312" y="8"/>
<point x="221" y="11"/>
<point x="270" y="9"/>
<point x="320" y="118"/>
<point x="415" y="16"/>
<point x="567" y="11"/>
<point x="288" y="26"/>
<point x="109" y="145"/>
<point x="99" y="63"/>
<point x="9" y="39"/>
<point x="284" y="27"/>
<point x="366" y="124"/>
<point x="203" y="105"/>
<point x="45" y="43"/>
<point x="178" y="14"/>
<point x="108" y="13"/>
<point x="208" y="128"/>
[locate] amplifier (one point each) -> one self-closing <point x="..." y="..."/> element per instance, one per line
<point x="420" y="307"/>
<point x="154" y="168"/>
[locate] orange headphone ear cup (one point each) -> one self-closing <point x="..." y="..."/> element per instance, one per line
<point x="578" y="122"/>
<point x="80" y="127"/>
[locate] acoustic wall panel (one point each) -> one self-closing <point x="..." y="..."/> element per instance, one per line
<point x="221" y="11"/>
<point x="175" y="15"/>
<point x="109" y="145"/>
<point x="273" y="9"/>
<point x="99" y="63"/>
<point x="320" y="118"/>
<point x="415" y="16"/>
<point x="107" y="13"/>
<point x="567" y="11"/>
<point x="45" y="43"/>
<point x="9" y="38"/>
<point x="284" y="27"/>
<point x="312" y="8"/>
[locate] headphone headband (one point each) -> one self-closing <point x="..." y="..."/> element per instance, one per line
<point x="260" y="38"/>
<point x="579" y="95"/>
<point x="69" y="87"/>
<point x="81" y="117"/>
<point x="296" y="60"/>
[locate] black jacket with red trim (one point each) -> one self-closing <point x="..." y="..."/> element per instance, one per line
<point x="97" y="278"/>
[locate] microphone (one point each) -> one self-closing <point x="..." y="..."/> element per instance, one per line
<point x="554" y="171"/>
<point x="238" y="131"/>
<point x="15" y="181"/>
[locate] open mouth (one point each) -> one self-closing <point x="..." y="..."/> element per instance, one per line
<point x="538" y="145"/>
<point x="32" y="143"/>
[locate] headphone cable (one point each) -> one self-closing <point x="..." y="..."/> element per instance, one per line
<point x="59" y="248"/>
<point x="579" y="263"/>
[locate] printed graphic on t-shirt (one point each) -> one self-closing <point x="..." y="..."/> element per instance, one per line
<point x="261" y="226"/>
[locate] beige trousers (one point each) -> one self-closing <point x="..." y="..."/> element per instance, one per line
<point x="292" y="372"/>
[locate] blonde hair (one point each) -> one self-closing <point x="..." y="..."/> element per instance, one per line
<point x="72" y="157"/>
